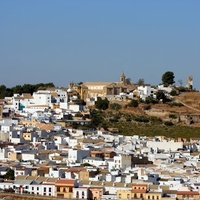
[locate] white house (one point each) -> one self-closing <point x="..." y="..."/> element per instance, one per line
<point x="48" y="189"/>
<point x="77" y="155"/>
<point x="29" y="155"/>
<point x="6" y="125"/>
<point x="165" y="145"/>
<point x="56" y="172"/>
<point x="42" y="97"/>
<point x="15" y="137"/>
<point x="81" y="193"/>
<point x="21" y="101"/>
<point x="95" y="161"/>
<point x="122" y="161"/>
<point x="22" y="171"/>
<point x="145" y="91"/>
<point x="3" y="153"/>
<point x="163" y="88"/>
<point x="75" y="107"/>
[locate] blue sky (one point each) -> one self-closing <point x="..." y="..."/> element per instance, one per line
<point x="95" y="40"/>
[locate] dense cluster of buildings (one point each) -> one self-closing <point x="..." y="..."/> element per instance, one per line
<point x="50" y="158"/>
<point x="68" y="163"/>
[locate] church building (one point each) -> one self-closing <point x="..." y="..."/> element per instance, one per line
<point x="103" y="89"/>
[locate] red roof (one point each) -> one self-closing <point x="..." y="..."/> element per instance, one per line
<point x="135" y="184"/>
<point x="65" y="182"/>
<point x="75" y="169"/>
<point x="139" y="191"/>
<point x="187" y="193"/>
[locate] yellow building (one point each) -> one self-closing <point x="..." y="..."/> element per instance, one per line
<point x="103" y="89"/>
<point x="124" y="194"/>
<point x="139" y="190"/>
<point x="27" y="136"/>
<point x="64" y="188"/>
<point x="153" y="196"/>
<point x="81" y="172"/>
<point x="12" y="156"/>
<point x="187" y="195"/>
<point x="84" y="175"/>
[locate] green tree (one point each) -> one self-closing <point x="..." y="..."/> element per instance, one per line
<point x="2" y="91"/>
<point x="17" y="89"/>
<point x="140" y="81"/>
<point x="28" y="88"/>
<point x="101" y="104"/>
<point x="133" y="103"/>
<point x="168" y="78"/>
<point x="173" y="93"/>
<point x="10" y="174"/>
<point x="128" y="81"/>
<point x="96" y="119"/>
<point x="160" y="95"/>
<point x="115" y="106"/>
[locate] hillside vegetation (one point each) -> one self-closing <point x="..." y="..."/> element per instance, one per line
<point x="172" y="119"/>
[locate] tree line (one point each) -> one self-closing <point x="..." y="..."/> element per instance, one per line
<point x="26" y="88"/>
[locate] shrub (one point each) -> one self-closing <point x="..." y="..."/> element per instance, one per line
<point x="133" y="103"/>
<point x="176" y="104"/>
<point x="115" y="106"/>
<point x="173" y="93"/>
<point x="141" y="119"/>
<point x="173" y="116"/>
<point x="147" y="107"/>
<point x="182" y="89"/>
<point x="150" y="100"/>
<point x="9" y="190"/>
<point x="128" y="118"/>
<point x="78" y="114"/>
<point x="168" y="123"/>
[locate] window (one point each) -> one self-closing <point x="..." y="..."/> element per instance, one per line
<point x="120" y="196"/>
<point x="128" y="196"/>
<point x="77" y="195"/>
<point x="49" y="189"/>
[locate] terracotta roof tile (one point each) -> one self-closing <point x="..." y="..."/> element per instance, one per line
<point x="187" y="193"/>
<point x="65" y="182"/>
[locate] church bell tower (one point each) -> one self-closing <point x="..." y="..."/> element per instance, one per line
<point x="122" y="78"/>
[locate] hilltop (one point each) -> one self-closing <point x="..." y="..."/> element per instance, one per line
<point x="178" y="118"/>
